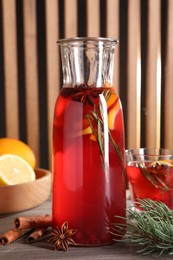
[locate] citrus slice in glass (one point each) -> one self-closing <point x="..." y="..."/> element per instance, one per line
<point x="15" y="170"/>
<point x="162" y="162"/>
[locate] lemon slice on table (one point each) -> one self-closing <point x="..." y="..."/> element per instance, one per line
<point x="162" y="162"/>
<point x="15" y="170"/>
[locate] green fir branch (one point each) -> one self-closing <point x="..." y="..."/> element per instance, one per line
<point x="151" y="228"/>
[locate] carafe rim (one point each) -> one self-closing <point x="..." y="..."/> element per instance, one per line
<point x="87" y="39"/>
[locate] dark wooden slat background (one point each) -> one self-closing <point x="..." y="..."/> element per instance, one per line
<point x="30" y="71"/>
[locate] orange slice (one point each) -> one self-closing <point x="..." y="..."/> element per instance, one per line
<point x="162" y="162"/>
<point x="114" y="103"/>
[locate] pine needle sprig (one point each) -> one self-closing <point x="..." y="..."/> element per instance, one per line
<point x="151" y="228"/>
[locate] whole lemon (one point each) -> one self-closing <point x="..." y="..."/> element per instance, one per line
<point x="17" y="147"/>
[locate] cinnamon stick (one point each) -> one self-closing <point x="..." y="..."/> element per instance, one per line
<point x="11" y="236"/>
<point x="36" y="234"/>
<point x="33" y="222"/>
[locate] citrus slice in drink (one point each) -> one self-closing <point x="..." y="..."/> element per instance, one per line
<point x="15" y="170"/>
<point x="113" y="107"/>
<point x="162" y="162"/>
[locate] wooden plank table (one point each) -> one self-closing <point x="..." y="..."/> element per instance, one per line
<point x="20" y="249"/>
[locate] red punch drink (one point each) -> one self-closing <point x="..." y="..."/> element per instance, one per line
<point x="88" y="168"/>
<point x="150" y="175"/>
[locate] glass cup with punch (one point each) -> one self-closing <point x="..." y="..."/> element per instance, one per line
<point x="150" y="174"/>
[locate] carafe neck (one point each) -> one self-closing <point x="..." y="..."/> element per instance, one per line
<point x="87" y="61"/>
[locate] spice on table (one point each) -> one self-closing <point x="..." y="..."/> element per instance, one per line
<point x="11" y="236"/>
<point x="36" y="234"/>
<point x="33" y="222"/>
<point x="62" y="237"/>
<point x="37" y="226"/>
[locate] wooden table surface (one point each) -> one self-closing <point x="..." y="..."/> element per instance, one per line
<point x="20" y="249"/>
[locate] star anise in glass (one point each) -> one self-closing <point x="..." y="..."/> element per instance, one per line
<point x="158" y="170"/>
<point x="156" y="174"/>
<point x="87" y="95"/>
<point x="62" y="237"/>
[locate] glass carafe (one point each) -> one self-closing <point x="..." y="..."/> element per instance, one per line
<point x="88" y="143"/>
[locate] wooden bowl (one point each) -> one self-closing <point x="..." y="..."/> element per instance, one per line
<point x="26" y="195"/>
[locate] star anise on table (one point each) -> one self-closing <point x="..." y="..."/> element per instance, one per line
<point x="62" y="237"/>
<point x="86" y="94"/>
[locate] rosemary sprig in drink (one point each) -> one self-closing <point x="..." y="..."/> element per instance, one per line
<point x="96" y="118"/>
<point x="156" y="174"/>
